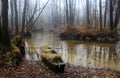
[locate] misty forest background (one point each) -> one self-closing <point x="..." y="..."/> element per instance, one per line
<point x="26" y="15"/>
<point x="85" y="20"/>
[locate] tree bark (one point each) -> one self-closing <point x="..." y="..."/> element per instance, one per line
<point x="12" y="14"/>
<point x="16" y="16"/>
<point x="117" y="16"/>
<point x="88" y="13"/>
<point x="100" y="6"/>
<point x="23" y="17"/>
<point x="6" y="39"/>
<point x="111" y="15"/>
<point x="1" y="37"/>
<point x="105" y="14"/>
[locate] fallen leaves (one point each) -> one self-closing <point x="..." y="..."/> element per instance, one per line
<point x="39" y="70"/>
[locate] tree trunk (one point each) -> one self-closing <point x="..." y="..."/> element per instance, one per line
<point x="16" y="16"/>
<point x="100" y="6"/>
<point x="88" y="13"/>
<point x="70" y="12"/>
<point x="1" y="37"/>
<point x="105" y="14"/>
<point x="67" y="15"/>
<point x="111" y="15"/>
<point x="117" y="16"/>
<point x="12" y="14"/>
<point x="6" y="39"/>
<point x="23" y="17"/>
<point x="0" y="30"/>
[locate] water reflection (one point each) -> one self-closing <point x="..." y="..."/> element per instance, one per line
<point x="87" y="54"/>
<point x="31" y="52"/>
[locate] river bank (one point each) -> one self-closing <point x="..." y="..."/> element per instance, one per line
<point x="105" y="56"/>
<point x="90" y="34"/>
<point x="39" y="70"/>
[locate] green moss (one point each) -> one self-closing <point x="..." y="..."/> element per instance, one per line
<point x="11" y="46"/>
<point x="11" y="58"/>
<point x="16" y="38"/>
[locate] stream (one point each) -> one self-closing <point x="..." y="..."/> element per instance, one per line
<point x="78" y="53"/>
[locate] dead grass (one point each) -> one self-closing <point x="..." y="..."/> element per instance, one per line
<point x="89" y="33"/>
<point x="52" y="57"/>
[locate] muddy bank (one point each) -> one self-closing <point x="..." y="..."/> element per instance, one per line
<point x="39" y="70"/>
<point x="89" y="35"/>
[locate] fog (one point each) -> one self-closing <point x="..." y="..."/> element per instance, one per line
<point x="54" y="14"/>
<point x="54" y="7"/>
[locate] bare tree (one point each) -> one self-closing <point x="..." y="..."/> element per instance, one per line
<point x="12" y="13"/>
<point x="1" y="36"/>
<point x="4" y="25"/>
<point x="56" y="13"/>
<point x="117" y="15"/>
<point x="111" y="15"/>
<point x="24" y="15"/>
<point x="16" y="16"/>
<point x="88" y="12"/>
<point x="100" y="6"/>
<point x="105" y="13"/>
<point x="114" y="14"/>
<point x="30" y="26"/>
<point x="70" y="12"/>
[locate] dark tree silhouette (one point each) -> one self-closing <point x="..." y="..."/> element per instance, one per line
<point x="111" y="15"/>
<point x="88" y="12"/>
<point x="4" y="26"/>
<point x="100" y="6"/>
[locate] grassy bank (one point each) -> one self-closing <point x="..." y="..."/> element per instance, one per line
<point x="89" y="34"/>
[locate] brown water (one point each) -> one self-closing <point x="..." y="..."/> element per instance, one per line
<point x="87" y="54"/>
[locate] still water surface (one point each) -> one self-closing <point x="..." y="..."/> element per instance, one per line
<point x="86" y="54"/>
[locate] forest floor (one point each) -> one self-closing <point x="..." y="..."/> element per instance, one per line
<point x="39" y="70"/>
